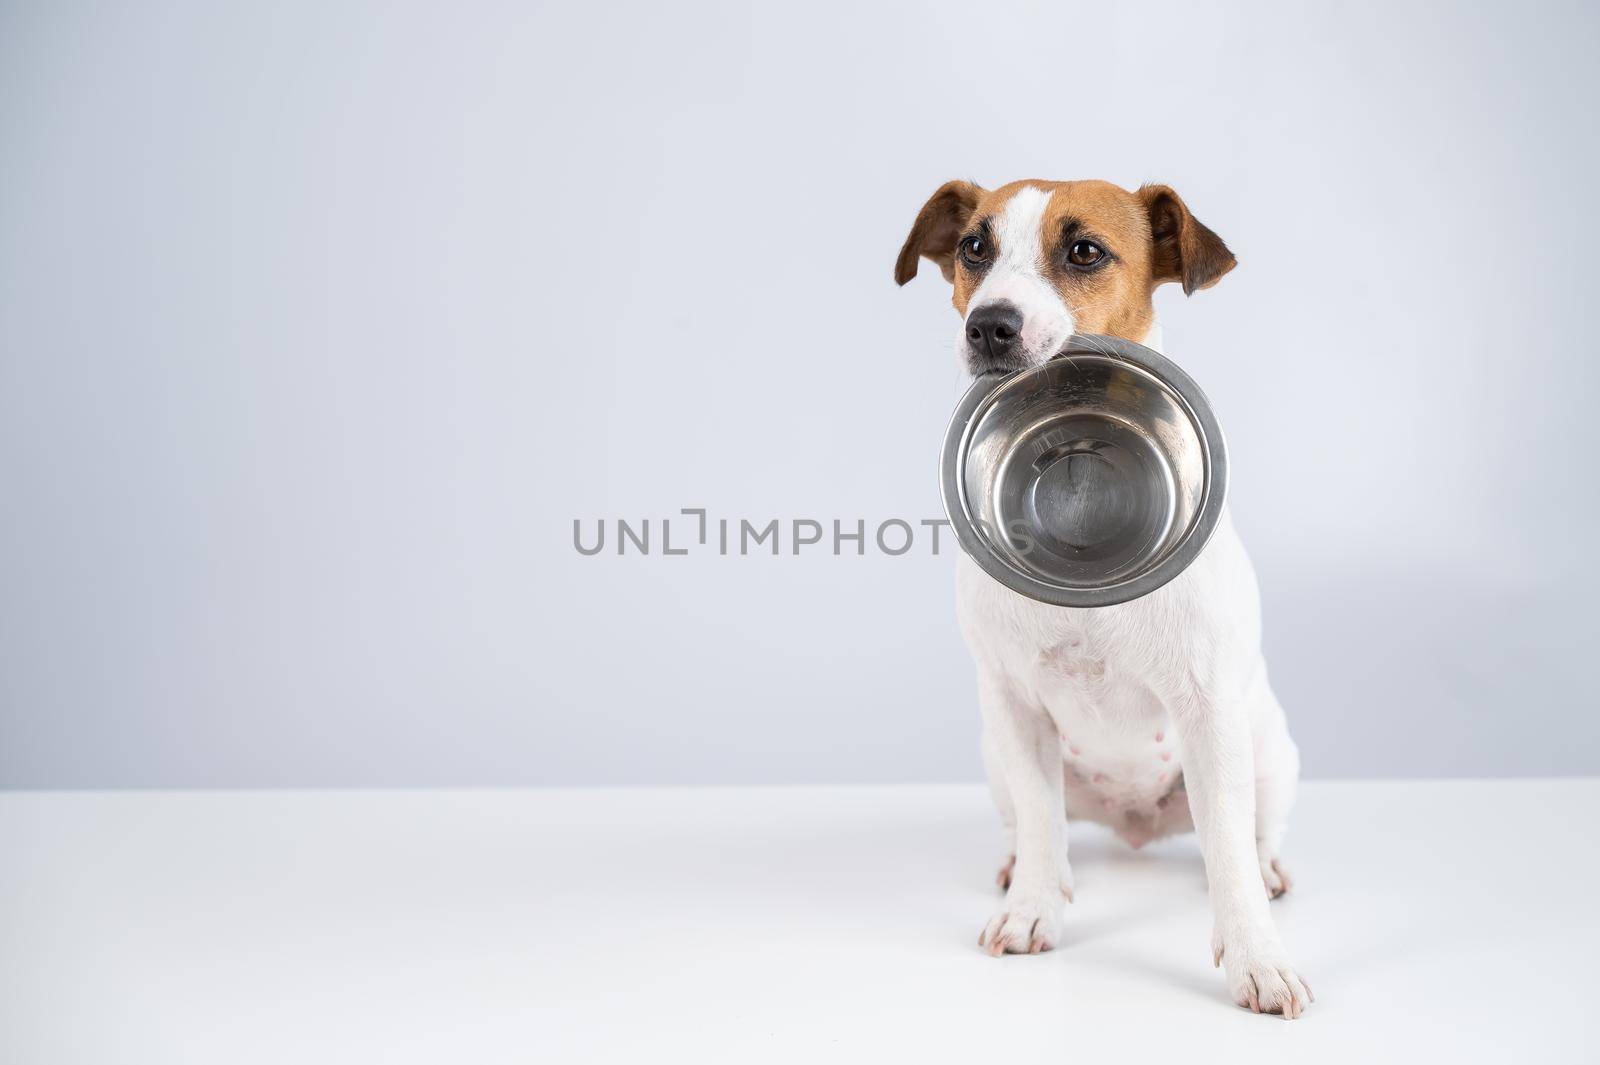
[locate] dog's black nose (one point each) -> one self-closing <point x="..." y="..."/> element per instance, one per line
<point x="992" y="330"/>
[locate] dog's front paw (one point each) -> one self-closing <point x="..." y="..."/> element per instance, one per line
<point x="1262" y="981"/>
<point x="1274" y="876"/>
<point x="1025" y="924"/>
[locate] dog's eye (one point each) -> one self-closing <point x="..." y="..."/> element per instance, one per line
<point x="1085" y="253"/>
<point x="975" y="250"/>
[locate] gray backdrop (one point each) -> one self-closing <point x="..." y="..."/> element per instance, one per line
<point x="321" y="324"/>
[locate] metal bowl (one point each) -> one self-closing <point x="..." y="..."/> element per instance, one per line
<point x="1089" y="480"/>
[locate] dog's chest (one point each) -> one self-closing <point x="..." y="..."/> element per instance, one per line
<point x="1091" y="672"/>
<point x="1116" y="737"/>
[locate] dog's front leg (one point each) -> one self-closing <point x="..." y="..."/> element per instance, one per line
<point x="1219" y="773"/>
<point x="1027" y="752"/>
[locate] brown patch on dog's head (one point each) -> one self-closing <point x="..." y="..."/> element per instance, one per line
<point x="1084" y="256"/>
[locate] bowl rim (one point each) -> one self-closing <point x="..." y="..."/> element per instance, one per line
<point x="983" y="394"/>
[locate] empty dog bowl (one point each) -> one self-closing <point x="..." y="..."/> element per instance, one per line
<point x="1089" y="480"/>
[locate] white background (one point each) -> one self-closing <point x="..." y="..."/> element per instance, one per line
<point x="320" y="324"/>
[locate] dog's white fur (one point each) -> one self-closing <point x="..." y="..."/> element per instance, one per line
<point x="1015" y="277"/>
<point x="1090" y="713"/>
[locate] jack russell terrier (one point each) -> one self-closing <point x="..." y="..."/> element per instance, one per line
<point x="1153" y="716"/>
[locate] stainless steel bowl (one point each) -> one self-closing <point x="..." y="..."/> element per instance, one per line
<point x="1089" y="480"/>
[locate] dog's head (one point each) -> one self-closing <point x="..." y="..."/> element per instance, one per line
<point x="1033" y="262"/>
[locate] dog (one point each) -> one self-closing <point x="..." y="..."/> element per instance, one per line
<point x="1153" y="716"/>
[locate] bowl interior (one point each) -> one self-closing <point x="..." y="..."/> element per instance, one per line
<point x="1084" y="472"/>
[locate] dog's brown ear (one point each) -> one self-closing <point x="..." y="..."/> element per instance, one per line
<point x="1181" y="248"/>
<point x="936" y="230"/>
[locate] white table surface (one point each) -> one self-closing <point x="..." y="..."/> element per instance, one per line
<point x="1438" y="922"/>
